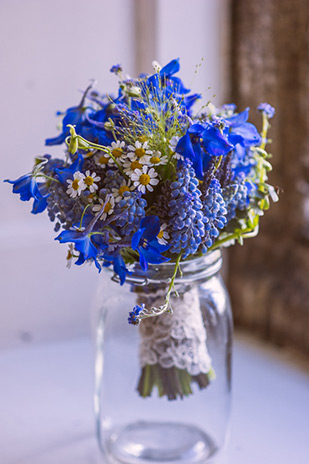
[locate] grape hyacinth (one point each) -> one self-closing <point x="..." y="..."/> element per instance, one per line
<point x="60" y="207"/>
<point x="214" y="214"/>
<point x="131" y="210"/>
<point x="236" y="197"/>
<point x="185" y="220"/>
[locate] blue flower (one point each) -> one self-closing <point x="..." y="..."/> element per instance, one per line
<point x="214" y="213"/>
<point x="185" y="212"/>
<point x="27" y="187"/>
<point x="200" y="144"/>
<point x="146" y="243"/>
<point x="75" y="115"/>
<point x="267" y="109"/>
<point x="65" y="174"/>
<point x="118" y="265"/>
<point x="236" y="195"/>
<point x="116" y="69"/>
<point x="164" y="85"/>
<point x="240" y="131"/>
<point x="134" y="314"/>
<point x="88" y="123"/>
<point x="90" y="244"/>
<point x="168" y="71"/>
<point x="83" y="243"/>
<point x="130" y="210"/>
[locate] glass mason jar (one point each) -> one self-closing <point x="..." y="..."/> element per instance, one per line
<point x="163" y="389"/>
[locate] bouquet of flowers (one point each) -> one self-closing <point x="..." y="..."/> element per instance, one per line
<point x="145" y="179"/>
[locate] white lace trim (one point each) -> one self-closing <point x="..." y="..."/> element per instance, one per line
<point x="177" y="339"/>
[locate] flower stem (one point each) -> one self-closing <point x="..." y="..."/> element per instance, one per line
<point x="234" y="236"/>
<point x="88" y="145"/>
<point x="171" y="286"/>
<point x="83" y="215"/>
<point x="46" y="177"/>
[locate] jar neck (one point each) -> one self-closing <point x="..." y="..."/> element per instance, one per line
<point x="191" y="271"/>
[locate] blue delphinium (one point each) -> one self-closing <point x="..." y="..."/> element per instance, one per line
<point x="83" y="242"/>
<point x="64" y="173"/>
<point x="75" y="115"/>
<point x="240" y="131"/>
<point x="185" y="218"/>
<point x="27" y="187"/>
<point x="201" y="143"/>
<point x="145" y="241"/>
<point x="88" y="123"/>
<point x="114" y="258"/>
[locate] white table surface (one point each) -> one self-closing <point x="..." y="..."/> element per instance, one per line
<point x="46" y="412"/>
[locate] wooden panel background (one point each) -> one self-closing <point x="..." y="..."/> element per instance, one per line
<point x="269" y="276"/>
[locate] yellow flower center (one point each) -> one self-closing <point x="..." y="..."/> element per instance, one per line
<point x="107" y="207"/>
<point x="160" y="234"/>
<point x="144" y="179"/>
<point x="136" y="165"/>
<point x="123" y="189"/>
<point x="140" y="152"/>
<point x="142" y="138"/>
<point x="88" y="181"/>
<point x="103" y="160"/>
<point x="155" y="159"/>
<point x="75" y="184"/>
<point x="117" y="152"/>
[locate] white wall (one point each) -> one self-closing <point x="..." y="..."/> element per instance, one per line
<point x="48" y="50"/>
<point x="194" y="30"/>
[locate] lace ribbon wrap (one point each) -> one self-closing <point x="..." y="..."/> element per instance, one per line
<point x="175" y="339"/>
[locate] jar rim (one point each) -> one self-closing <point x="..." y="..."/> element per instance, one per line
<point x="192" y="270"/>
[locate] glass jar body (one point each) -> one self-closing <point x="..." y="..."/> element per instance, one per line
<point x="156" y="399"/>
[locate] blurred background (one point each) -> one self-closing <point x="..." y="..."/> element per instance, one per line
<point x="245" y="52"/>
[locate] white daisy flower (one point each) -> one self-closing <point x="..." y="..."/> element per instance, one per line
<point x="70" y="255"/>
<point x="130" y="166"/>
<point x="102" y="160"/>
<point x="91" y="197"/>
<point x="118" y="192"/>
<point x="90" y="180"/>
<point x="108" y="209"/>
<point x="144" y="179"/>
<point x="77" y="185"/>
<point x="173" y="144"/>
<point x="139" y="152"/>
<point x="163" y="235"/>
<point x="117" y="149"/>
<point x="156" y="159"/>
